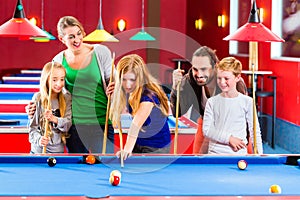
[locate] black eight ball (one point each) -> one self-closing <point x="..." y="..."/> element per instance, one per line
<point x="51" y="161"/>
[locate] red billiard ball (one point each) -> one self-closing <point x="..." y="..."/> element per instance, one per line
<point x="51" y="161"/>
<point x="90" y="159"/>
<point x="115" y="177"/>
<point x="242" y="164"/>
<point x="115" y="180"/>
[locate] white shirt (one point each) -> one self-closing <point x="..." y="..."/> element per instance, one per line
<point x="225" y="117"/>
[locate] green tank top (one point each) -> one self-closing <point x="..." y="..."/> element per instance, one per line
<point x="89" y="100"/>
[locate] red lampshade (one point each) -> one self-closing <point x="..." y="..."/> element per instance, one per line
<point x="19" y="26"/>
<point x="254" y="30"/>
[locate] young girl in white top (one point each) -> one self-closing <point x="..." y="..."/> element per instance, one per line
<point x="227" y="115"/>
<point x="59" y="114"/>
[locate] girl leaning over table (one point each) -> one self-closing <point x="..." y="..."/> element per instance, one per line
<point x="137" y="91"/>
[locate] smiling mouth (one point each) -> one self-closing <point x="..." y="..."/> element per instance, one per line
<point x="202" y="79"/>
<point x="77" y="44"/>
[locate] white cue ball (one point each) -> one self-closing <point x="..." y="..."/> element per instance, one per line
<point x="242" y="164"/>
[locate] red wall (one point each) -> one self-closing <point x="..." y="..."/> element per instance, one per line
<point x="210" y="35"/>
<point x="288" y="82"/>
<point x="176" y="38"/>
<point x="29" y="54"/>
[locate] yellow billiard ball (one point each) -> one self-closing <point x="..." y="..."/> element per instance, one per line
<point x="276" y="189"/>
<point x="242" y="164"/>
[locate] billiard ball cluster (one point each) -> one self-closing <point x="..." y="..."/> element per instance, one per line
<point x="274" y="189"/>
<point x="51" y="161"/>
<point x="115" y="177"/>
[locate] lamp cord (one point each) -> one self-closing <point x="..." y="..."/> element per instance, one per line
<point x="143" y="15"/>
<point x="100" y="26"/>
<point x="42" y="15"/>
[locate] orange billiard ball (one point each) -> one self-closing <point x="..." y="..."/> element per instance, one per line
<point x="90" y="159"/>
<point x="276" y="189"/>
<point x="242" y="164"/>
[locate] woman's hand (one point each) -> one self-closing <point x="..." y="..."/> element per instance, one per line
<point x="123" y="154"/>
<point x="30" y="109"/>
<point x="110" y="88"/>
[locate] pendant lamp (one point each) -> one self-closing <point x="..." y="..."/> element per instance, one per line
<point x="253" y="32"/>
<point x="100" y="35"/>
<point x="143" y="35"/>
<point x="19" y="26"/>
<point x="49" y="36"/>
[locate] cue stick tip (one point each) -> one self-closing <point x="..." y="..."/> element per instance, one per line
<point x="122" y="159"/>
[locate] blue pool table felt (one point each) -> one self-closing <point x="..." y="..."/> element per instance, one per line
<point x="148" y="176"/>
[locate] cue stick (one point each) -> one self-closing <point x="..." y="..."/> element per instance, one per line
<point x="49" y="104"/>
<point x="254" y="113"/>
<point x="108" y="107"/>
<point x="121" y="143"/>
<point x="176" y="114"/>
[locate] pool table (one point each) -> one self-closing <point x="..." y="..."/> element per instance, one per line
<point x="148" y="177"/>
<point x="19" y="133"/>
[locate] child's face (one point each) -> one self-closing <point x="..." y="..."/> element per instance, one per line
<point x="58" y="80"/>
<point x="227" y="80"/>
<point x="129" y="82"/>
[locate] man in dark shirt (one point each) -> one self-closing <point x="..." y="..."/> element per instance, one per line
<point x="196" y="86"/>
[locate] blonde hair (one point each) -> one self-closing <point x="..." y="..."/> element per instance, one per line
<point x="68" y="21"/>
<point x="144" y="80"/>
<point x="45" y="91"/>
<point x="230" y="64"/>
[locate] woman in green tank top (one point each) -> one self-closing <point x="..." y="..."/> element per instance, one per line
<point x="88" y="70"/>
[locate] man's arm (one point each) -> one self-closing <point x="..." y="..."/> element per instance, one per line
<point x="241" y="86"/>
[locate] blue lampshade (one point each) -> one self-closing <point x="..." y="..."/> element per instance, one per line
<point x="47" y="39"/>
<point x="49" y="36"/>
<point x="142" y="35"/>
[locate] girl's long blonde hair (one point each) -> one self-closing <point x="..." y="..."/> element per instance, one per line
<point x="44" y="92"/>
<point x="144" y="80"/>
